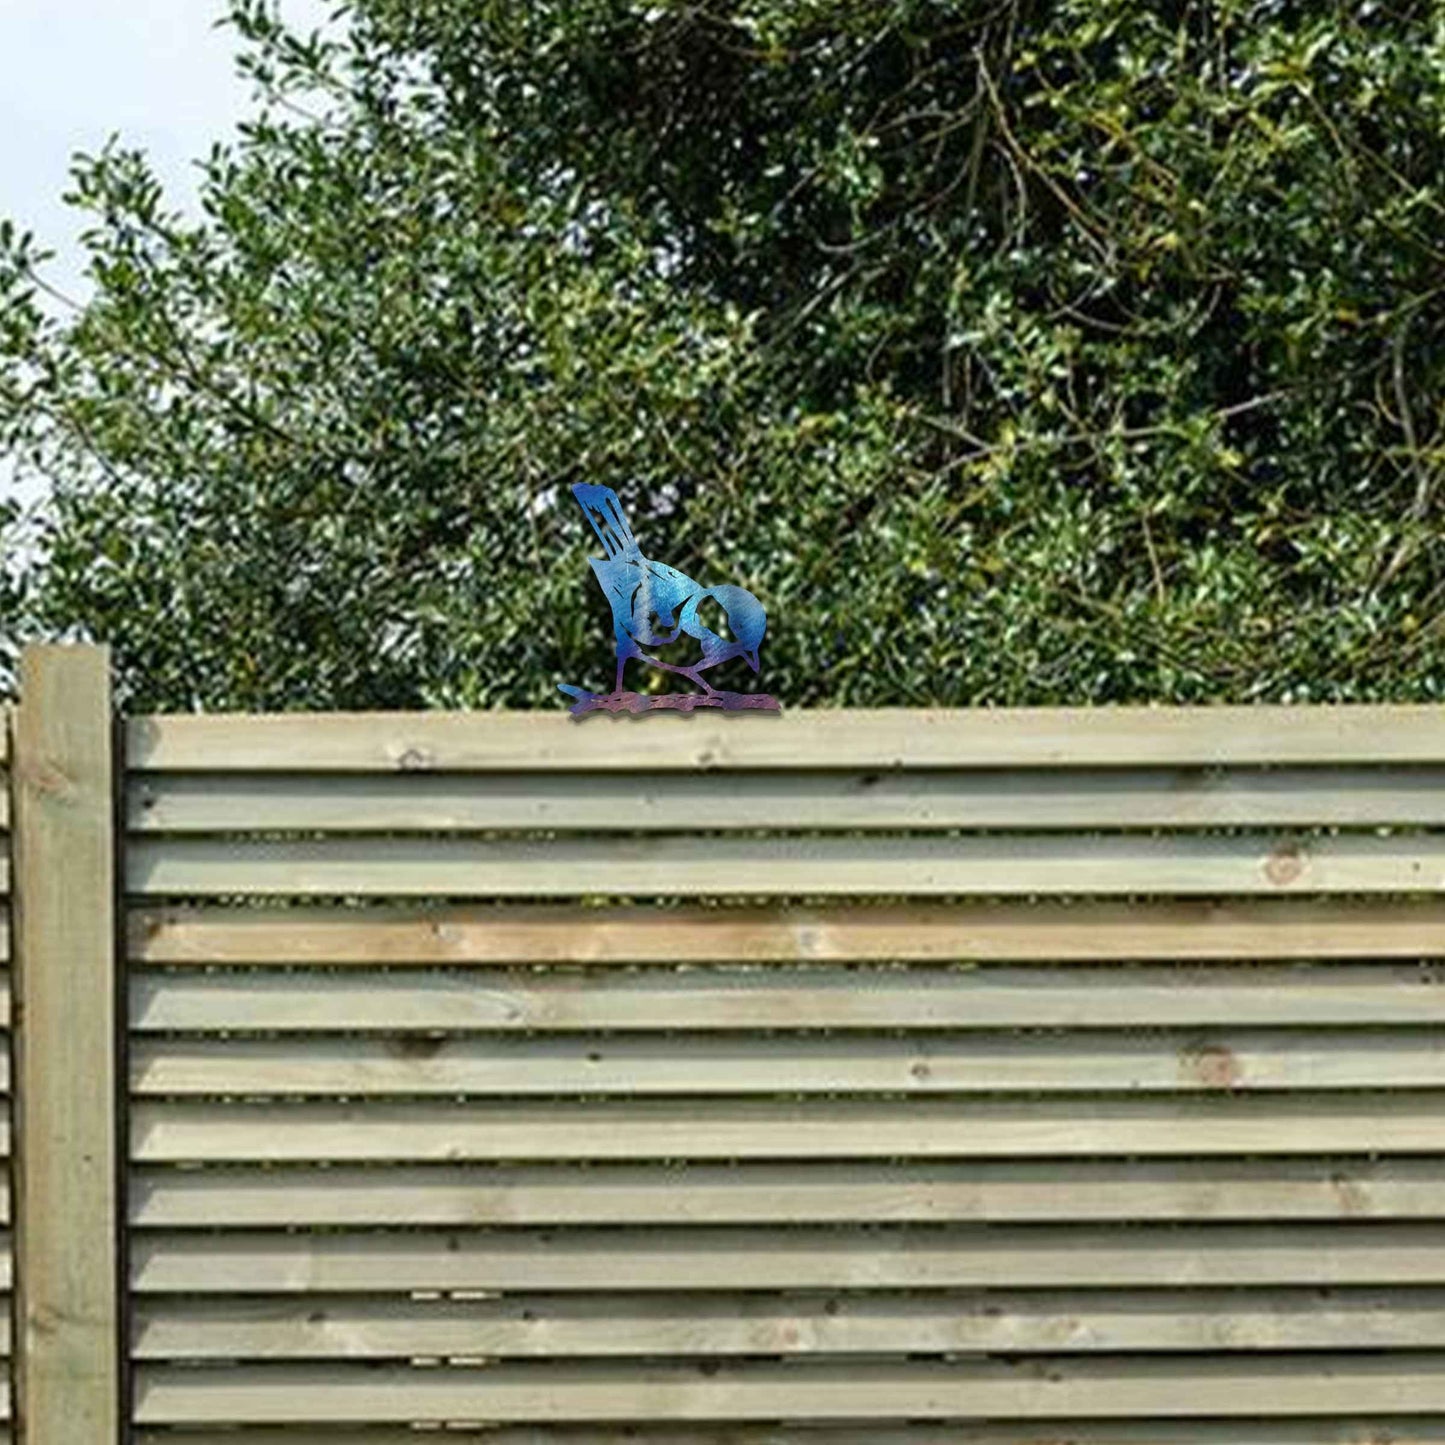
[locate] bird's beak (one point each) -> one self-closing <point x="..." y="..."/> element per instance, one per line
<point x="752" y="659"/>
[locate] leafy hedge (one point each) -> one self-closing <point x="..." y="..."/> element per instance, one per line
<point x="1011" y="352"/>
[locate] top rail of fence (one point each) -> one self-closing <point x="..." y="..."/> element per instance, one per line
<point x="882" y="738"/>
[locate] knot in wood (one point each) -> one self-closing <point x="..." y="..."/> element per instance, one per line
<point x="1212" y="1065"/>
<point x="1285" y="863"/>
<point x="45" y="1319"/>
<point x="50" y="780"/>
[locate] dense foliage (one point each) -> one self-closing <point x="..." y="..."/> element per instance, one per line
<point x="1009" y="351"/>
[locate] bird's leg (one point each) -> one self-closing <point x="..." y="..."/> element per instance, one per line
<point x="621" y="665"/>
<point x="691" y="673"/>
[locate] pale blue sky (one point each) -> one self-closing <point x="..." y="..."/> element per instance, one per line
<point x="72" y="72"/>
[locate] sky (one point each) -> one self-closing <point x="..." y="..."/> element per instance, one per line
<point x="73" y="72"/>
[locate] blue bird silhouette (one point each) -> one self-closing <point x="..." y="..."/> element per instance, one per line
<point x="654" y="604"/>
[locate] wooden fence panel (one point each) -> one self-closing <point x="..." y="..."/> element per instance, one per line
<point x="993" y="1078"/>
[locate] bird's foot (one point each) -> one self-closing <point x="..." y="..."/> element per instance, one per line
<point x="637" y="702"/>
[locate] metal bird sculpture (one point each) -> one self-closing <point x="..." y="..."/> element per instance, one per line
<point x="654" y="605"/>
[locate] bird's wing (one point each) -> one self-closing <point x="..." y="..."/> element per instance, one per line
<point x="665" y="588"/>
<point x="604" y="511"/>
<point x="619" y="580"/>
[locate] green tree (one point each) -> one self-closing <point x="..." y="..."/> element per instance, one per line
<point x="1009" y="352"/>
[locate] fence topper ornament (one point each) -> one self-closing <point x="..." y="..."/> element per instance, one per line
<point x="654" y="605"/>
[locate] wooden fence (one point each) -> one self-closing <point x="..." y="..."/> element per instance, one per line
<point x="989" y="1077"/>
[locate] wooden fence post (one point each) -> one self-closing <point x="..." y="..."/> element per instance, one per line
<point x="68" y="1355"/>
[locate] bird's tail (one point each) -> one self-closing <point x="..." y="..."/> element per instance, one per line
<point x="604" y="511"/>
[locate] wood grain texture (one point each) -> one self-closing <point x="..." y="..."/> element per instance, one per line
<point x="1030" y="1389"/>
<point x="627" y="1326"/>
<point x="981" y="1191"/>
<point x="65" y="1072"/>
<point x="833" y="1129"/>
<point x="791" y="800"/>
<point x="1210" y="996"/>
<point x="708" y="1065"/>
<point x="910" y="865"/>
<point x="909" y="1257"/>
<point x="868" y="739"/>
<point x="1192" y="929"/>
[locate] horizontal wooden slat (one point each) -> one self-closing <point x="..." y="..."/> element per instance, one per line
<point x="1212" y="996"/>
<point x="786" y="1194"/>
<point x="991" y="864"/>
<point x="909" y="1257"/>
<point x="833" y="1129"/>
<point x="538" y="1326"/>
<point x="1030" y="1389"/>
<point x="701" y="1064"/>
<point x="869" y="739"/>
<point x="841" y="933"/>
<point x="1352" y="1430"/>
<point x="682" y="802"/>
